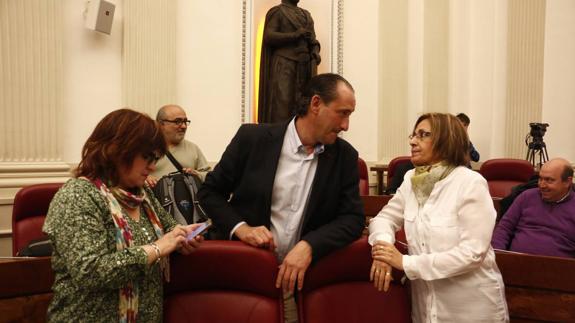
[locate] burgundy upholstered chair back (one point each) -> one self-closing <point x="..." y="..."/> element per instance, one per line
<point x="223" y="281"/>
<point x="28" y="213"/>
<point x="502" y="174"/>
<point x="393" y="165"/>
<point x="337" y="289"/>
<point x="363" y="177"/>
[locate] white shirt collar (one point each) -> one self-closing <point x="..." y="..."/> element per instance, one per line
<point x="294" y="142"/>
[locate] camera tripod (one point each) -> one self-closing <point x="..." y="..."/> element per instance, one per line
<point x="537" y="148"/>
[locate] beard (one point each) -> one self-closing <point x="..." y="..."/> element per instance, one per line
<point x="177" y="138"/>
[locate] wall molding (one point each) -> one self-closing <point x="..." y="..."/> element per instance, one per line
<point x="5" y="234"/>
<point x="244" y="117"/>
<point x="13" y="176"/>
<point x="339" y="42"/>
<point x="7" y="168"/>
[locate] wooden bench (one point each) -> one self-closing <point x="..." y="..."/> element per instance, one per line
<point x="25" y="289"/>
<point x="538" y="288"/>
<point x="372" y="204"/>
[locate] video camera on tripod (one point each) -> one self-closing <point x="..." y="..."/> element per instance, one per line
<point x="535" y="144"/>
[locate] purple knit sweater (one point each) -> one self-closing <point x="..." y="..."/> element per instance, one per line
<point x="536" y="227"/>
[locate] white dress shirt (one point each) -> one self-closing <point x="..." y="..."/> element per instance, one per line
<point x="290" y="194"/>
<point x="292" y="185"/>
<point x="451" y="265"/>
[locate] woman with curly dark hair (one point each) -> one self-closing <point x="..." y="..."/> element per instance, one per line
<point x="111" y="237"/>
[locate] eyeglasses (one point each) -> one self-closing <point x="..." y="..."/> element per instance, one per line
<point x="151" y="157"/>
<point x="178" y="121"/>
<point x="420" y="135"/>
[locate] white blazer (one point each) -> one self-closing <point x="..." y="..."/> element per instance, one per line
<point x="451" y="265"/>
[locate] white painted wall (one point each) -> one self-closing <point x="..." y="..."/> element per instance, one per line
<point x="478" y="56"/>
<point x="361" y="69"/>
<point x="559" y="78"/>
<point x="92" y="76"/>
<point x="209" y="71"/>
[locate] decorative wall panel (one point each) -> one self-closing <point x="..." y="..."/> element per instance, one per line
<point x="393" y="114"/>
<point x="31" y="76"/>
<point x="525" y="50"/>
<point x="436" y="56"/>
<point x="149" y="54"/>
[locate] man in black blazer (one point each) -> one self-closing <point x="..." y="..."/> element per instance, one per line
<point x="291" y="187"/>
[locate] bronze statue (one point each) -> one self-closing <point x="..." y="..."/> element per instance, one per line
<point x="290" y="55"/>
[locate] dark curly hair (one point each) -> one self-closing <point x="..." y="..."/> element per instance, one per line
<point x="116" y="141"/>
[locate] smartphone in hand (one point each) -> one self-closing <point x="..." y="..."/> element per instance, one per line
<point x="199" y="230"/>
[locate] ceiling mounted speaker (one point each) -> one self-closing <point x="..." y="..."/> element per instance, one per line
<point x="99" y="15"/>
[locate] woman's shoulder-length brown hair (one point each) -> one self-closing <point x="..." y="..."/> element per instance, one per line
<point x="449" y="139"/>
<point x="116" y="141"/>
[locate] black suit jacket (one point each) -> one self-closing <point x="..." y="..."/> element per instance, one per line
<point x="240" y="188"/>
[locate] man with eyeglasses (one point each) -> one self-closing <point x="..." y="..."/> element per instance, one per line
<point x="174" y="123"/>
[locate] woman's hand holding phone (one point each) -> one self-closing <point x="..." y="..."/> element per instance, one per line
<point x="194" y="236"/>
<point x="199" y="230"/>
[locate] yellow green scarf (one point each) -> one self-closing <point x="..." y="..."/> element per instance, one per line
<point x="425" y="177"/>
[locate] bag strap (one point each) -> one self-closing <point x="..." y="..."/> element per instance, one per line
<point x="175" y="162"/>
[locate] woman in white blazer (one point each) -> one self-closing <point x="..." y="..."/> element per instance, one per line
<point x="448" y="217"/>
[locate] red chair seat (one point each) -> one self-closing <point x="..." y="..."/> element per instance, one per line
<point x="31" y="205"/>
<point x="363" y="177"/>
<point x="502" y="174"/>
<point x="357" y="302"/>
<point x="223" y="281"/>
<point x="337" y="289"/>
<point x="221" y="306"/>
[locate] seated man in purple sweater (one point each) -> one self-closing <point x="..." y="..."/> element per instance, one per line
<point x="541" y="220"/>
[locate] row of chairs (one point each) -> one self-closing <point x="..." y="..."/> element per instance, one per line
<point x="31" y="206"/>
<point x="225" y="280"/>
<point x="502" y="174"/>
<point x="228" y="281"/>
<point x="28" y="218"/>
